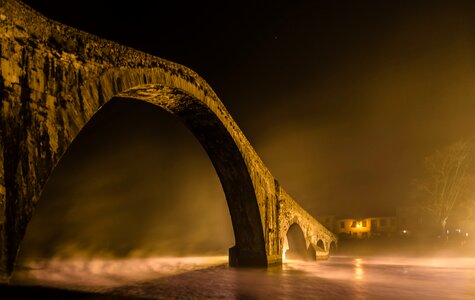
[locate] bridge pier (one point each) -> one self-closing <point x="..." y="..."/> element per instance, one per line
<point x="6" y="260"/>
<point x="246" y="258"/>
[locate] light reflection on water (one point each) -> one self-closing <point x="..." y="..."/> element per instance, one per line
<point x="358" y="269"/>
<point x="210" y="278"/>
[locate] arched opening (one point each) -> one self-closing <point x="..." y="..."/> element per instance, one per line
<point x="297" y="246"/>
<point x="320" y="246"/>
<point x="147" y="223"/>
<point x="228" y="161"/>
<point x="132" y="182"/>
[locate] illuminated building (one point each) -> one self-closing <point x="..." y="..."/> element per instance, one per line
<point x="362" y="228"/>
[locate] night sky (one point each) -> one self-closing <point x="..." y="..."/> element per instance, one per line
<point x="341" y="99"/>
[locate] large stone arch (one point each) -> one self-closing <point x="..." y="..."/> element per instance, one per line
<point x="224" y="151"/>
<point x="205" y="117"/>
<point x="54" y="78"/>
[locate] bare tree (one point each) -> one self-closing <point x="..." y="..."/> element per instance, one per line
<point x="450" y="177"/>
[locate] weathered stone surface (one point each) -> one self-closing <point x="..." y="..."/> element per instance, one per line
<point x="54" y="78"/>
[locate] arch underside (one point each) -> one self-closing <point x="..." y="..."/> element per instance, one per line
<point x="317" y="241"/>
<point x="298" y="245"/>
<point x="227" y="160"/>
<point x="224" y="153"/>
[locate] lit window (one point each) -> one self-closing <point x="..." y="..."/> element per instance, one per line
<point x="353" y="224"/>
<point x="363" y="224"/>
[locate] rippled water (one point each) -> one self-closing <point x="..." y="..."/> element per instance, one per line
<point x="340" y="277"/>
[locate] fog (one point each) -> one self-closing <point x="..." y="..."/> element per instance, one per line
<point x="134" y="183"/>
<point x="350" y="277"/>
<point x="350" y="137"/>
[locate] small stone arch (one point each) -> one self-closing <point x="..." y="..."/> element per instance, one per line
<point x="296" y="246"/>
<point x="320" y="246"/>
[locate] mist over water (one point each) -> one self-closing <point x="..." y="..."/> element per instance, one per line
<point x="350" y="277"/>
<point x="104" y="274"/>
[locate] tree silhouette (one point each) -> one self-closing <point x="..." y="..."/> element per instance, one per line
<point x="449" y="182"/>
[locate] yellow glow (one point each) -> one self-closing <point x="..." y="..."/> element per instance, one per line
<point x="97" y="273"/>
<point x="358" y="225"/>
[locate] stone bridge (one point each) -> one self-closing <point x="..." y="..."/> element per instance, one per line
<point x="54" y="78"/>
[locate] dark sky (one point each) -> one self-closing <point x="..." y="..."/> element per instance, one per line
<point x="341" y="99"/>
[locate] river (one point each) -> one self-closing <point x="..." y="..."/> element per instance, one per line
<point x="340" y="277"/>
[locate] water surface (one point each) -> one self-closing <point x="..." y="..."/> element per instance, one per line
<point x="340" y="277"/>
